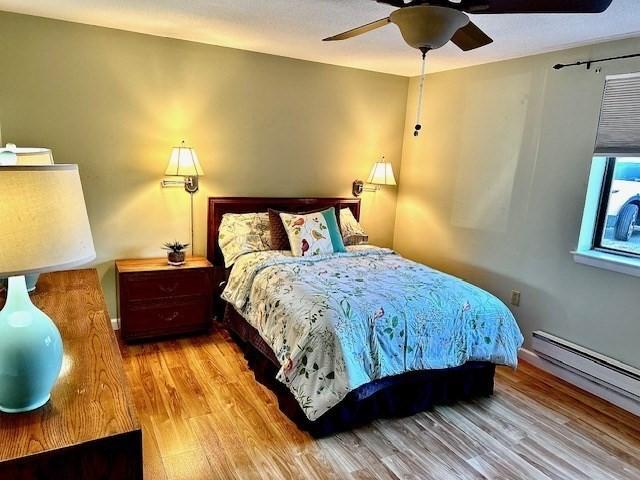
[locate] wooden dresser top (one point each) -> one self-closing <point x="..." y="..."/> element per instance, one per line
<point x="158" y="264"/>
<point x="91" y="399"/>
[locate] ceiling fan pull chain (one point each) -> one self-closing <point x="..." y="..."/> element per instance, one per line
<point x="418" y="126"/>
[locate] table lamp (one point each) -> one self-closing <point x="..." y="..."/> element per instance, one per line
<point x="381" y="174"/>
<point x="43" y="227"/>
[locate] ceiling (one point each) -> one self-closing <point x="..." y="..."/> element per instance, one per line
<point x="294" y="28"/>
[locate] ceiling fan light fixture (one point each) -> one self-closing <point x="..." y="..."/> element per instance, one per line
<point x="427" y="26"/>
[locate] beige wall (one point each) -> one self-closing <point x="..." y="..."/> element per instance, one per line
<point x="492" y="191"/>
<point x="494" y="188"/>
<point x="116" y="102"/>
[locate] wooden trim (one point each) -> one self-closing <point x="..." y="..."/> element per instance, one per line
<point x="218" y="206"/>
<point x="118" y="456"/>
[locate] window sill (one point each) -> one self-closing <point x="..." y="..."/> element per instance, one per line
<point x="608" y="261"/>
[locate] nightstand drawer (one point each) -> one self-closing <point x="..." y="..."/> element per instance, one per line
<point x="157" y="318"/>
<point x="147" y="286"/>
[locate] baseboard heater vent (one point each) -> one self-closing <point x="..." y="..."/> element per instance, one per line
<point x="605" y="371"/>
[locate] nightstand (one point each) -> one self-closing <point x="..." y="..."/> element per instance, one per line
<point x="158" y="300"/>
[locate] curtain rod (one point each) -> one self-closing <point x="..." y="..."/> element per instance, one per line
<point x="588" y="63"/>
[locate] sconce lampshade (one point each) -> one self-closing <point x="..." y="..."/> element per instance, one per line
<point x="382" y="174"/>
<point x="184" y="163"/>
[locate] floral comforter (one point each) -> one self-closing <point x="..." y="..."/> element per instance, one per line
<point x="339" y="321"/>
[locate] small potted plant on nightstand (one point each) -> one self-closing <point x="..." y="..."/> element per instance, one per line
<point x="175" y="253"/>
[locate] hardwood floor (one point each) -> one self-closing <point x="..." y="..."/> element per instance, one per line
<point x="204" y="416"/>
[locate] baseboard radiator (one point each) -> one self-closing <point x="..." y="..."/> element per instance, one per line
<point x="605" y="371"/>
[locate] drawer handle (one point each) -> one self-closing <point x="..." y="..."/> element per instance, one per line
<point x="170" y="317"/>
<point x="168" y="289"/>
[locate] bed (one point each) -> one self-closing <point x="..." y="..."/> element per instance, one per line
<point x="346" y="338"/>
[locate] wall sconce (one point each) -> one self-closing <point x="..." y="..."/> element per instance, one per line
<point x="184" y="163"/>
<point x="381" y="174"/>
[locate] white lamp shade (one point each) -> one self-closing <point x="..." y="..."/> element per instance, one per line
<point x="43" y="220"/>
<point x="184" y="163"/>
<point x="382" y="174"/>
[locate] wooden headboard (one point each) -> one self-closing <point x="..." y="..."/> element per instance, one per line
<point x="218" y="206"/>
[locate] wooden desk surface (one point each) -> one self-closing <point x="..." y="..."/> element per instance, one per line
<point x="91" y="399"/>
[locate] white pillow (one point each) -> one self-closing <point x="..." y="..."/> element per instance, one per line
<point x="241" y="233"/>
<point x="352" y="231"/>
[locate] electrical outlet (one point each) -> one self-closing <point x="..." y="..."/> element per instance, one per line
<point x="515" y="298"/>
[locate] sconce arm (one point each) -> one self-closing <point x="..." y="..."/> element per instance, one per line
<point x="190" y="184"/>
<point x="359" y="187"/>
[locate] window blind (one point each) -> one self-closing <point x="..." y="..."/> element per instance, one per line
<point x="619" y="127"/>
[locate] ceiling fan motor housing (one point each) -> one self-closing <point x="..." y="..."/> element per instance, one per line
<point x="427" y="26"/>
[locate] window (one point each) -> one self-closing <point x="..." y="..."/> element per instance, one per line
<point x="618" y="220"/>
<point x="610" y="232"/>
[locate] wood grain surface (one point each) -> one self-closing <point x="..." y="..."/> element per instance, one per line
<point x="204" y="416"/>
<point x="158" y="264"/>
<point x="91" y="416"/>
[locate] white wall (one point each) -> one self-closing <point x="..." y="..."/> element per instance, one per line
<point x="494" y="187"/>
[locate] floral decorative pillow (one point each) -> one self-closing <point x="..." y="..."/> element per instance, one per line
<point x="313" y="233"/>
<point x="352" y="231"/>
<point x="279" y="238"/>
<point x="241" y="233"/>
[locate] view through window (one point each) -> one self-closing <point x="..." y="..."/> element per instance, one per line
<point x="618" y="226"/>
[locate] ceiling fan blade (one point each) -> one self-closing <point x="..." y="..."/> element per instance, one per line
<point x="359" y="30"/>
<point x="470" y="37"/>
<point x="393" y="3"/>
<point x="535" y="6"/>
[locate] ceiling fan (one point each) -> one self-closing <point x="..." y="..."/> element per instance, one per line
<point x="430" y="24"/>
